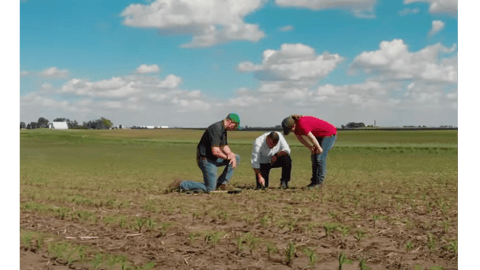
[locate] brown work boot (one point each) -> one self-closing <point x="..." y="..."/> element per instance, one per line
<point x="175" y="184"/>
<point x="225" y="187"/>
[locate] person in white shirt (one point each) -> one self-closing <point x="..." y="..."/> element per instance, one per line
<point x="271" y="150"/>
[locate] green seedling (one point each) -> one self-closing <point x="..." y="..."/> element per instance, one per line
<point x="264" y="220"/>
<point x="112" y="261"/>
<point x="151" y="224"/>
<point x="192" y="237"/>
<point x="360" y="235"/>
<point x="251" y="242"/>
<point x="342" y="259"/>
<point x="140" y="223"/>
<point x="70" y="254"/>
<point x="122" y="222"/>
<point x="163" y="228"/>
<point x="446" y="225"/>
<point x="431" y="244"/>
<point x="329" y="228"/>
<point x="409" y="246"/>
<point x="375" y="218"/>
<point x="312" y="257"/>
<point x="213" y="238"/>
<point x="363" y="265"/>
<point x="290" y="253"/>
<point x="26" y="239"/>
<point x="97" y="261"/>
<point x="291" y="225"/>
<point x="271" y="248"/>
<point x="149" y="265"/>
<point x="345" y="231"/>
<point x="452" y="246"/>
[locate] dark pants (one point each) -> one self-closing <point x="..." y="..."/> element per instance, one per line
<point x="284" y="162"/>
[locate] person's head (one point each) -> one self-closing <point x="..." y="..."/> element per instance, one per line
<point x="289" y="123"/>
<point x="232" y="121"/>
<point x="272" y="139"/>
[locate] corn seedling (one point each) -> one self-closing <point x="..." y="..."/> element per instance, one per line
<point x="251" y="242"/>
<point x="271" y="248"/>
<point x="452" y="246"/>
<point x="329" y="228"/>
<point x="122" y="223"/>
<point x="163" y="228"/>
<point x="112" y="261"/>
<point x="419" y="267"/>
<point x="375" y="218"/>
<point x="409" y="246"/>
<point x="213" y="238"/>
<point x="151" y="224"/>
<point x="360" y="235"/>
<point x="344" y="230"/>
<point x="363" y="265"/>
<point x="70" y="254"/>
<point x="431" y="242"/>
<point x="290" y="253"/>
<point x="26" y="239"/>
<point x="97" y="262"/>
<point x="446" y="225"/>
<point x="192" y="237"/>
<point x="312" y="257"/>
<point x="148" y="266"/>
<point x="140" y="223"/>
<point x="342" y="259"/>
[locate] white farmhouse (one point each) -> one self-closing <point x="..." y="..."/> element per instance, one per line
<point x="58" y="125"/>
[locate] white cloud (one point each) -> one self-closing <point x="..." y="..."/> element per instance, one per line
<point x="407" y="11"/>
<point x="394" y="61"/>
<point x="295" y="63"/>
<point x="360" y="8"/>
<point x="54" y="72"/>
<point x="143" y="69"/>
<point x="286" y="28"/>
<point x="24" y="73"/>
<point x="439" y="6"/>
<point x="209" y="21"/>
<point x="437" y="26"/>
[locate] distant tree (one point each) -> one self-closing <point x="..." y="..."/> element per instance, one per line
<point x="33" y="125"/>
<point x="355" y="125"/>
<point x="42" y="122"/>
<point x="120" y="126"/>
<point x="59" y="120"/>
<point x="22" y="125"/>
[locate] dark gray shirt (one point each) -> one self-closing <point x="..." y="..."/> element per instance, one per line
<point x="215" y="135"/>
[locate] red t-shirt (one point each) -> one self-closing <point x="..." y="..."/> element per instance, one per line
<point x="318" y="127"/>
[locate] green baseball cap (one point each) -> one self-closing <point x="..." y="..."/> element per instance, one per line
<point x="287" y="124"/>
<point x="234" y="117"/>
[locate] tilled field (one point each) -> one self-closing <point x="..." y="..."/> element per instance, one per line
<point x="272" y="229"/>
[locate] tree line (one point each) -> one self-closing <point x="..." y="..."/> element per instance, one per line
<point x="42" y="122"/>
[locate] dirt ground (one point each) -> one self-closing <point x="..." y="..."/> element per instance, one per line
<point x="382" y="247"/>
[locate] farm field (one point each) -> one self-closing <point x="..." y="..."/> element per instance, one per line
<point x="96" y="199"/>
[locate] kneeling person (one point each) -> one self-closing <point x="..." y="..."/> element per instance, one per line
<point x="271" y="150"/>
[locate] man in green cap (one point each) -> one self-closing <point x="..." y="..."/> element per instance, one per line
<point x="213" y="152"/>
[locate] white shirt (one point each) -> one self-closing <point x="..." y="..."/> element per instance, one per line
<point x="261" y="153"/>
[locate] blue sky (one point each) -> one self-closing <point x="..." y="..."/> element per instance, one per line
<point x="189" y="63"/>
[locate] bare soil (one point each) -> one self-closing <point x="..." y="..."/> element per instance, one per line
<point x="382" y="247"/>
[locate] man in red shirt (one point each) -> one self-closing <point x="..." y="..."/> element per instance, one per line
<point x="318" y="136"/>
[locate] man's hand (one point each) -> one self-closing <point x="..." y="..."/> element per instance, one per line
<point x="233" y="159"/>
<point x="261" y="180"/>
<point x="314" y="150"/>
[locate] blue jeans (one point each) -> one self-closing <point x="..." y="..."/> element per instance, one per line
<point x="209" y="170"/>
<point x="319" y="161"/>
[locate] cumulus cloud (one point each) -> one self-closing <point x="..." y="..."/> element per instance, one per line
<point x="143" y="69"/>
<point x="439" y="6"/>
<point x="54" y="72"/>
<point x="393" y="60"/>
<point x="407" y="11"/>
<point x="437" y="26"/>
<point x="293" y="63"/>
<point x="360" y="8"/>
<point x="286" y="28"/>
<point x="24" y="73"/>
<point x="209" y="21"/>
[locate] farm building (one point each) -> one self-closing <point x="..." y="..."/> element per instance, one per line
<point x="58" y="125"/>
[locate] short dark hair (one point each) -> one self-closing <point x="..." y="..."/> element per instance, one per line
<point x="274" y="136"/>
